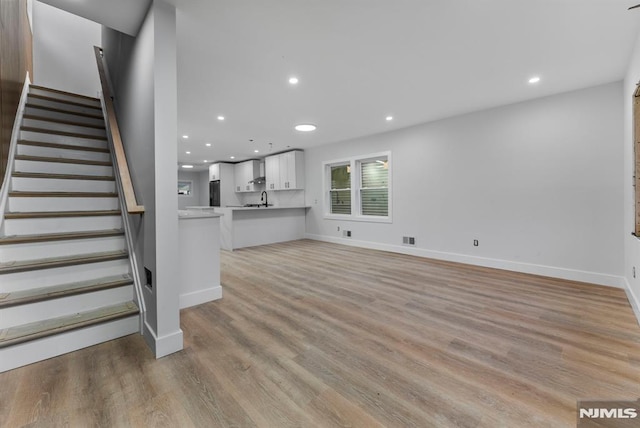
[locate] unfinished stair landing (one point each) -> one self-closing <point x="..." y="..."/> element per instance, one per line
<point x="65" y="273"/>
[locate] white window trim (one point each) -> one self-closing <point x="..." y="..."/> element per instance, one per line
<point x="354" y="163"/>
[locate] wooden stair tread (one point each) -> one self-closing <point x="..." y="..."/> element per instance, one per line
<point x="62" y="160"/>
<point x="63" y="176"/>
<point x="63" y="133"/>
<point x="46" y="237"/>
<point x="56" y="262"/>
<point x="32" y="194"/>
<point x="41" y="329"/>
<point x="41" y="294"/>
<point x="53" y="214"/>
<point x="58" y="110"/>
<point x="58" y="100"/>
<point x="63" y="122"/>
<point x="62" y="146"/>
<point x="59" y="91"/>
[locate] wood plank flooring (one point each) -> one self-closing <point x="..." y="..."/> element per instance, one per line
<point x="310" y="334"/>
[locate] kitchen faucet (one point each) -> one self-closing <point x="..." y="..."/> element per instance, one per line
<point x="263" y="197"/>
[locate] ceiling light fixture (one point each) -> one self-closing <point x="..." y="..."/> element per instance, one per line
<point x="185" y="137"/>
<point x="305" y="127"/>
<point x="205" y="161"/>
<point x="208" y="144"/>
<point x="293" y="80"/>
<point x="256" y="151"/>
<point x="187" y="166"/>
<point x="232" y="157"/>
<point x="188" y="153"/>
<point x="534" y="79"/>
<point x="389" y="118"/>
<point x="220" y="117"/>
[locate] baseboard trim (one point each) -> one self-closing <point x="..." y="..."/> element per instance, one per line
<point x="165" y="345"/>
<point x="551" y="271"/>
<point x="633" y="299"/>
<point x="202" y="296"/>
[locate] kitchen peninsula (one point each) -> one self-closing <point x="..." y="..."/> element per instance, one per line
<point x="250" y="226"/>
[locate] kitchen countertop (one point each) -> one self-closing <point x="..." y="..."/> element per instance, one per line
<point x="239" y="208"/>
<point x="192" y="214"/>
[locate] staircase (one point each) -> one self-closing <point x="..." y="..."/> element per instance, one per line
<point x="65" y="273"/>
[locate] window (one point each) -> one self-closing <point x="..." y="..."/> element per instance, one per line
<point x="340" y="192"/>
<point x="363" y="195"/>
<point x="374" y="191"/>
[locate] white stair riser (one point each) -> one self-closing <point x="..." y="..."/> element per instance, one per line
<point x="41" y="250"/>
<point x="24" y="184"/>
<point x="54" y="152"/>
<point x="61" y="224"/>
<point x="62" y="139"/>
<point x="21" y="281"/>
<point x="62" y="106"/>
<point x="61" y="168"/>
<point x="37" y="204"/>
<point x="42" y="349"/>
<point x="70" y="305"/>
<point x="42" y="112"/>
<point x="55" y="126"/>
<point x="59" y="96"/>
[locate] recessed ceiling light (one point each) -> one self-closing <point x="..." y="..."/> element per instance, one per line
<point x="208" y="144"/>
<point x="220" y="117"/>
<point x="534" y="79"/>
<point x="232" y="157"/>
<point x="389" y="118"/>
<point x="185" y="136"/>
<point x="256" y="151"/>
<point x="188" y="153"/>
<point x="293" y="80"/>
<point x="205" y="161"/>
<point x="187" y="166"/>
<point x="305" y="127"/>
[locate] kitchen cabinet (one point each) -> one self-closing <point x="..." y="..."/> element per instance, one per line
<point x="244" y="173"/>
<point x="285" y="171"/>
<point x="214" y="172"/>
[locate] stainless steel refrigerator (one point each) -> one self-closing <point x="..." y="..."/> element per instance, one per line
<point x="214" y="193"/>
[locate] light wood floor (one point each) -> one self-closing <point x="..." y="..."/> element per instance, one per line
<point x="311" y="334"/>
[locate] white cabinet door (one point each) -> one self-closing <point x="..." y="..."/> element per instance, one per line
<point x="244" y="173"/>
<point x="239" y="174"/>
<point x="292" y="170"/>
<point x="214" y="172"/>
<point x="272" y="172"/>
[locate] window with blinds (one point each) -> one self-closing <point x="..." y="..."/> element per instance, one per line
<point x="358" y="188"/>
<point x="374" y="190"/>
<point x="340" y="192"/>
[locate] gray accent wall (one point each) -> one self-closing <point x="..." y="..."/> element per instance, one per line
<point x="143" y="74"/>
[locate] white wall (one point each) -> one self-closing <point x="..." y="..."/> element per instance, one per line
<point x="63" y="55"/>
<point x="199" y="190"/>
<point x="143" y="74"/>
<point x="631" y="243"/>
<point x="539" y="184"/>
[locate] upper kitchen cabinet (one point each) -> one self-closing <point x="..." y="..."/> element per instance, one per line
<point x="214" y="172"/>
<point x="285" y="171"/>
<point x="244" y="173"/>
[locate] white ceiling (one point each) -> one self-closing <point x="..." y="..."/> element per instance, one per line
<point x="361" y="60"/>
<point x="122" y="15"/>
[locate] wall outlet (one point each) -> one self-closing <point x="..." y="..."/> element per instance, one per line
<point x="346" y="233"/>
<point x="149" y="278"/>
<point x="475" y="243"/>
<point x="408" y="240"/>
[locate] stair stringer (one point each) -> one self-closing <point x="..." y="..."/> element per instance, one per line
<point x="15" y="135"/>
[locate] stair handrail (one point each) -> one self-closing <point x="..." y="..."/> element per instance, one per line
<point x="126" y="195"/>
<point x="15" y="134"/>
<point x="112" y="125"/>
